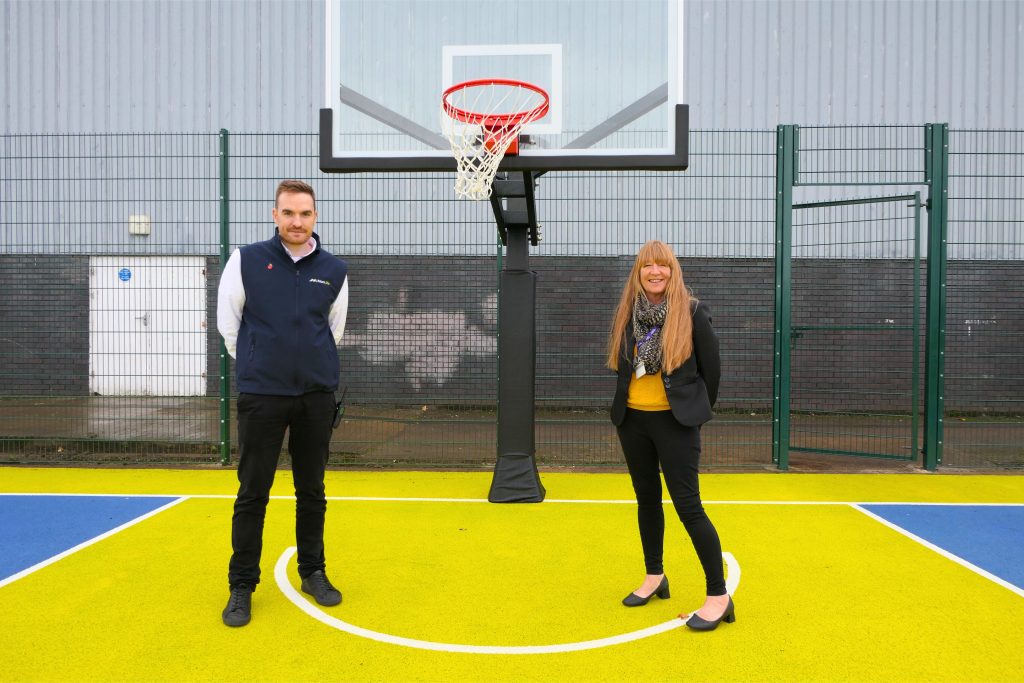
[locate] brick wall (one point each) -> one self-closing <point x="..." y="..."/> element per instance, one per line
<point x="44" y="325"/>
<point x="424" y="329"/>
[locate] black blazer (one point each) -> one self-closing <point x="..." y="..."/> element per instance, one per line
<point x="693" y="388"/>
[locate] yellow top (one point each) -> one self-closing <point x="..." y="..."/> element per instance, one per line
<point x="647" y="393"/>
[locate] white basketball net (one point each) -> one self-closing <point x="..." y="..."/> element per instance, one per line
<point x="477" y="141"/>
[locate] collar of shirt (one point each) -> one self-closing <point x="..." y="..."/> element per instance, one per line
<point x="311" y="244"/>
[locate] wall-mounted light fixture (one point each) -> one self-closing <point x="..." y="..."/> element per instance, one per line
<point x="139" y="224"/>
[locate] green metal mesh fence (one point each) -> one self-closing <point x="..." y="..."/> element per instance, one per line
<point x="419" y="352"/>
<point x="718" y="217"/>
<point x="111" y="354"/>
<point x="984" y="424"/>
<point x="850" y="280"/>
<point x="856" y="328"/>
<point x="104" y="240"/>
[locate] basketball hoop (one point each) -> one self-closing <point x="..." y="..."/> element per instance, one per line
<point x="480" y="134"/>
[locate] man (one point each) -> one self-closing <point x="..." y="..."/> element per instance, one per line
<point x="281" y="308"/>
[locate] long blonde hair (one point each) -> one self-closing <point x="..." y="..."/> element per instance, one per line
<point x="677" y="333"/>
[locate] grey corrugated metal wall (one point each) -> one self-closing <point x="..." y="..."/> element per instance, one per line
<point x="893" y="62"/>
<point x="130" y="66"/>
<point x="73" y="66"/>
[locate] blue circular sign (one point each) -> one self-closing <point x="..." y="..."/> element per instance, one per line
<point x="124" y="274"/>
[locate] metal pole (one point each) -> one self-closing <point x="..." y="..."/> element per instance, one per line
<point x="915" y="379"/>
<point x="225" y="252"/>
<point x="785" y="161"/>
<point x="937" y="176"/>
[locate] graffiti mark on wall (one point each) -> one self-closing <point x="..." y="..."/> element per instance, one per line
<point x="971" y="324"/>
<point x="430" y="344"/>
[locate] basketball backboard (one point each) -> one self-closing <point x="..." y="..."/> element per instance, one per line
<point x="612" y="70"/>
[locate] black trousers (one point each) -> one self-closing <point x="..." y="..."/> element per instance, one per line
<point x="653" y="439"/>
<point x="262" y="422"/>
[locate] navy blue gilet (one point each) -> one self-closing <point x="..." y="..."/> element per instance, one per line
<point x="285" y="345"/>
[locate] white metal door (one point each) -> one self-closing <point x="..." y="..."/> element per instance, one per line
<point x="147" y="326"/>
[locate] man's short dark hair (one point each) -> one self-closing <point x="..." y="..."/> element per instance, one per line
<point x="295" y="187"/>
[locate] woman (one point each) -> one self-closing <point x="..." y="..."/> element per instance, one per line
<point x="666" y="355"/>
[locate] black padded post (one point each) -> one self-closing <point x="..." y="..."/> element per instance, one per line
<point x="515" y="474"/>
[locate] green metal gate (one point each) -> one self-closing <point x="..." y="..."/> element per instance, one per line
<point x="855" y="328"/>
<point x="860" y="294"/>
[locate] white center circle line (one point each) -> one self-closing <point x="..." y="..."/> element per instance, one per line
<point x="281" y="577"/>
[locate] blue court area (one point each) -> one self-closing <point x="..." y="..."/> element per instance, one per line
<point x="988" y="536"/>
<point x="34" y="528"/>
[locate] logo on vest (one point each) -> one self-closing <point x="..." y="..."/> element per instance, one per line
<point x="320" y="282"/>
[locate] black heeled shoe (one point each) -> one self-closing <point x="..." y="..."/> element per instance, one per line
<point x="698" y="624"/>
<point x="634" y="600"/>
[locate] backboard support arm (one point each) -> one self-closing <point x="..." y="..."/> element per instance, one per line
<point x="622" y="118"/>
<point x="391" y="118"/>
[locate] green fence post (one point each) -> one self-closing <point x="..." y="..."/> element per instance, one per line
<point x="225" y="252"/>
<point x="937" y="177"/>
<point x="785" y="160"/>
<point x="915" y="380"/>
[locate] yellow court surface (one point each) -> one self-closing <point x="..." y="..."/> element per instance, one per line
<point x="121" y="575"/>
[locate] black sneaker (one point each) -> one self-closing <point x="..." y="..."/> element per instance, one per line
<point x="319" y="586"/>
<point x="239" y="609"/>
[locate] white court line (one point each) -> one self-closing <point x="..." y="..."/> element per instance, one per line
<point x="425" y="499"/>
<point x="973" y="505"/>
<point x="99" y="495"/>
<point x="590" y="501"/>
<point x="85" y="544"/>
<point x="945" y="553"/>
<point x="281" y="577"/>
<point x="584" y="501"/>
